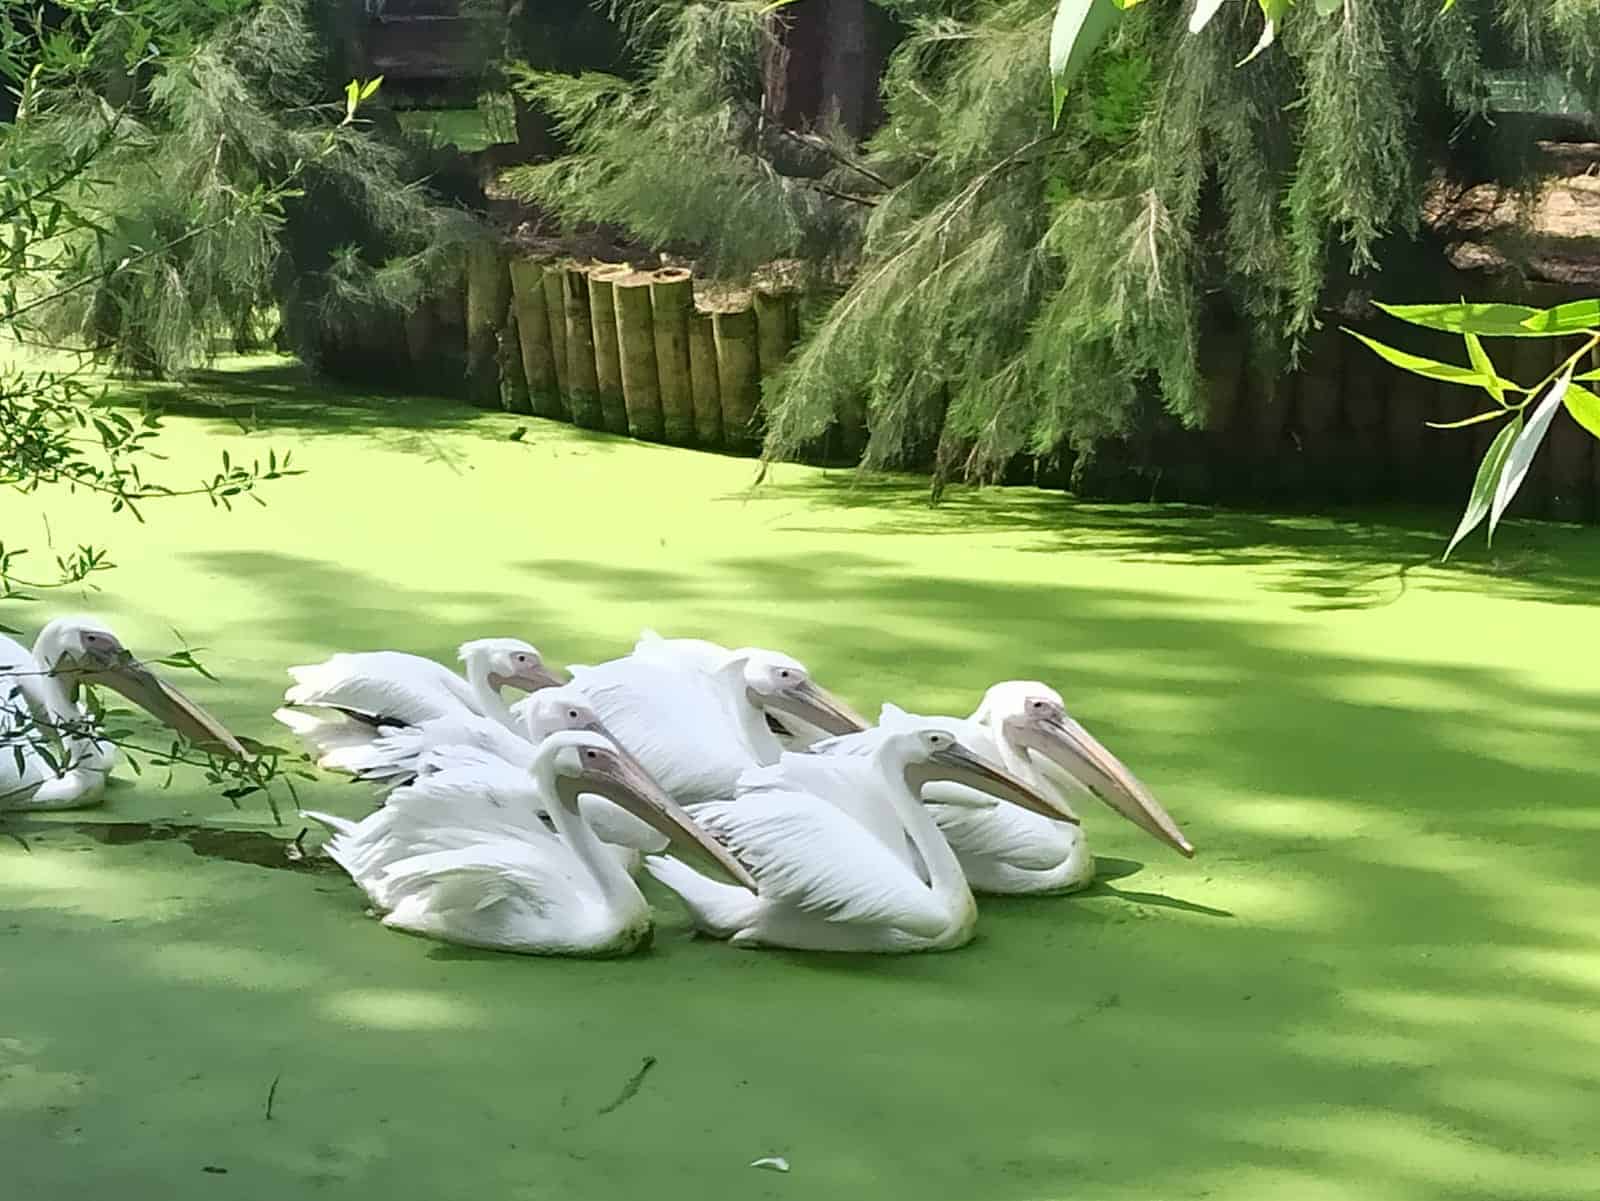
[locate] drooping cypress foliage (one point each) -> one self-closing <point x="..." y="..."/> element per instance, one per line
<point x="1018" y="287"/>
<point x="682" y="155"/>
<point x="198" y="139"/>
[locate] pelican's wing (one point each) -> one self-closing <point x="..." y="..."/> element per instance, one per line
<point x="387" y="686"/>
<point x="678" y="722"/>
<point x="495" y="746"/>
<point x="470" y="880"/>
<point x="693" y="653"/>
<point x="1005" y="832"/>
<point x="848" y="782"/>
<point x="805" y="853"/>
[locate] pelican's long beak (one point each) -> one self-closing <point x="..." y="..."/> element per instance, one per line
<point x="531" y="680"/>
<point x="812" y="703"/>
<point x="1078" y="753"/>
<point x="165" y="703"/>
<point x="617" y="776"/>
<point x="959" y="765"/>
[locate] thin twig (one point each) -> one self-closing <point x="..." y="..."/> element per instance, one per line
<point x="272" y="1092"/>
<point x="630" y="1089"/>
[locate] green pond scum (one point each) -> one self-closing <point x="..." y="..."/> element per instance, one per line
<point x="1379" y="980"/>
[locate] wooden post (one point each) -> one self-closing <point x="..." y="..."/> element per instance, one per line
<point x="607" y="364"/>
<point x="1324" y="449"/>
<point x="533" y="338"/>
<point x="636" y="343"/>
<point x="583" y="388"/>
<point x="1222" y="365"/>
<point x="774" y="328"/>
<point x="671" y="303"/>
<point x="738" y="367"/>
<point x="488" y="292"/>
<point x="514" y="396"/>
<point x="1366" y="381"/>
<point x="703" y="380"/>
<point x="555" y="309"/>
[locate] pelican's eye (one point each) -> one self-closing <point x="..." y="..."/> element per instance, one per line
<point x="572" y="715"/>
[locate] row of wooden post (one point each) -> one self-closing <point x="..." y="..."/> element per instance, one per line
<point x="608" y="347"/>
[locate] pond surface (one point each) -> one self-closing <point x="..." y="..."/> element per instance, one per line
<point x="1379" y="980"/>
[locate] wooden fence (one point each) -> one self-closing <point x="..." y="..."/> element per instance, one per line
<point x="655" y="356"/>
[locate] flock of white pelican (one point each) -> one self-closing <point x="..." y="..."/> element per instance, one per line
<point x="776" y="814"/>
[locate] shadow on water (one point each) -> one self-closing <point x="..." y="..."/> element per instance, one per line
<point x="256" y="847"/>
<point x="1334" y="560"/>
<point x="283" y="396"/>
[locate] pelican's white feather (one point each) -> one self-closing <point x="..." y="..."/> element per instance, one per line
<point x="812" y="857"/>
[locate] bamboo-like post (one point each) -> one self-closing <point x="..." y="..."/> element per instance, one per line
<point x="422" y="329"/>
<point x="607" y="359"/>
<point x="1324" y="450"/>
<point x="488" y="292"/>
<point x="636" y="345"/>
<point x="583" y="388"/>
<point x="738" y="375"/>
<point x="775" y="322"/>
<point x="703" y="379"/>
<point x="555" y="308"/>
<point x="533" y="338"/>
<point x="671" y="303"/>
<point x="513" y="382"/>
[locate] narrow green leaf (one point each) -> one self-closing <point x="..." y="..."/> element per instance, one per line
<point x="1485" y="368"/>
<point x="371" y="88"/>
<point x="1080" y="26"/>
<point x="1417" y="365"/>
<point x="1520" y="458"/>
<point x="1488" y="320"/>
<point x="1573" y="318"/>
<point x="1483" y="485"/>
<point x="1475" y="419"/>
<point x="1204" y="10"/>
<point x="1584" y="406"/>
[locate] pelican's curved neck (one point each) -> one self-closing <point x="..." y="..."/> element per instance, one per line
<point x="747" y="714"/>
<point x="612" y="879"/>
<point x="1019" y="761"/>
<point x="903" y="782"/>
<point x="42" y="686"/>
<point x="490" y="703"/>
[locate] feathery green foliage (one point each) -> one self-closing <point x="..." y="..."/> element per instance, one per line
<point x="1036" y="309"/>
<point x="203" y="137"/>
<point x="681" y="156"/>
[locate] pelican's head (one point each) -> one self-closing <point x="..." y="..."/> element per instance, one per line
<point x="777" y="683"/>
<point x="79" y="650"/>
<point x="929" y="750"/>
<point x="507" y="663"/>
<point x="551" y="710"/>
<point x="583" y="761"/>
<point x="1030" y="716"/>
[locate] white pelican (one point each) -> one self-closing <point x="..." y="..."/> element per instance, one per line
<point x="442" y="744"/>
<point x="694" y="713"/>
<point x="845" y="856"/>
<point x="487" y="874"/>
<point x="362" y="691"/>
<point x="1023" y="726"/>
<point x="50" y="755"/>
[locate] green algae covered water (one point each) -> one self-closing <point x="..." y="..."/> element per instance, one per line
<point x="1379" y="980"/>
